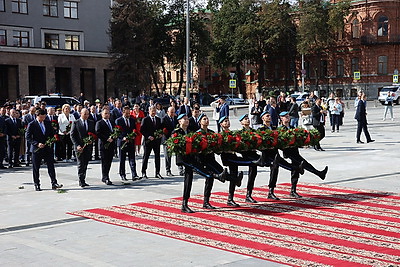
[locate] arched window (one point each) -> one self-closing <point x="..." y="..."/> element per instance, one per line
<point x="383" y="26"/>
<point x="340" y="67"/>
<point x="382" y="65"/>
<point x="356" y="28"/>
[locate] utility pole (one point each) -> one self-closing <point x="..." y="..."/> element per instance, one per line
<point x="188" y="70"/>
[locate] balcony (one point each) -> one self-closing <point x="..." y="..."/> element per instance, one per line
<point x="392" y="39"/>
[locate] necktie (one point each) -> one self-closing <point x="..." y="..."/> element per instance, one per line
<point x="109" y="124"/>
<point x="127" y="122"/>
<point x="84" y="122"/>
<point x="15" y="121"/>
<point x="154" y="121"/>
<point x="42" y="127"/>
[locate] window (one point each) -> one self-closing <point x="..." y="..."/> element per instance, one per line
<point x="168" y="76"/>
<point x="355" y="64"/>
<point x="50" y="8"/>
<point x="339" y="67"/>
<point x="3" y="37"/>
<point x="2" y="6"/>
<point x="324" y="68"/>
<point x="19" y="6"/>
<point x="70" y="9"/>
<point x="383" y="26"/>
<point x="382" y="65"/>
<point x="51" y="41"/>
<point x="178" y="77"/>
<point x="21" y="38"/>
<point x="356" y="28"/>
<point x="72" y="42"/>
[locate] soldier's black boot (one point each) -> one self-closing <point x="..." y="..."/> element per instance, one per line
<point x="222" y="176"/>
<point x="322" y="174"/>
<point x="185" y="207"/>
<point x="239" y="178"/>
<point x="231" y="202"/>
<point x="206" y="203"/>
<point x="293" y="192"/>
<point x="249" y="198"/>
<point x="271" y="194"/>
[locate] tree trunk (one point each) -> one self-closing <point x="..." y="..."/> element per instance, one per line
<point x="182" y="69"/>
<point x="154" y="77"/>
<point x="164" y="76"/>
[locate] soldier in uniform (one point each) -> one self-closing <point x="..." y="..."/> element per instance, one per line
<point x="293" y="154"/>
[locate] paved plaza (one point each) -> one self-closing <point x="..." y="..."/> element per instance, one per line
<point x="35" y="229"/>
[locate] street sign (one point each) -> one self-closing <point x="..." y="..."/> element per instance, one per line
<point x="232" y="83"/>
<point x="396" y="72"/>
<point x="395" y="78"/>
<point x="357" y="75"/>
<point x="232" y="74"/>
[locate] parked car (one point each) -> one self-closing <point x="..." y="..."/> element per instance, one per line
<point x="394" y="90"/>
<point x="52" y="100"/>
<point x="234" y="100"/>
<point x="300" y="97"/>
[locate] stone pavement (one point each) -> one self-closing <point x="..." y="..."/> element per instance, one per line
<point x="36" y="231"/>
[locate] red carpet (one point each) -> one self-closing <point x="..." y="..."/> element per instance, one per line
<point x="329" y="226"/>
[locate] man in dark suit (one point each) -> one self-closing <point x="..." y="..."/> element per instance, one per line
<point x="37" y="133"/>
<point x="117" y="111"/>
<point x="80" y="129"/>
<point x="127" y="124"/>
<point x="273" y="110"/>
<point x="3" y="135"/>
<point x="223" y="110"/>
<point x="361" y="117"/>
<point x="94" y="116"/>
<point x="26" y="119"/>
<point x="104" y="129"/>
<point x="318" y="119"/>
<point x="53" y="119"/>
<point x="14" y="128"/>
<point x="185" y="107"/>
<point x="149" y="126"/>
<point x="169" y="122"/>
<point x="194" y="124"/>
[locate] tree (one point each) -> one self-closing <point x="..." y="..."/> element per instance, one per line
<point x="132" y="29"/>
<point x="318" y="23"/>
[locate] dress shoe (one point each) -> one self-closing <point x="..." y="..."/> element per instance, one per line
<point x="208" y="206"/>
<point x="169" y="174"/>
<point x="37" y="188"/>
<point x="159" y="176"/>
<point x="83" y="184"/>
<point x="17" y="165"/>
<point x="144" y="176"/>
<point x="322" y="174"/>
<point x="360" y="142"/>
<point x="370" y="141"/>
<point x="123" y="178"/>
<point x="249" y="199"/>
<point x="108" y="182"/>
<point x="185" y="208"/>
<point x="27" y="164"/>
<point x="271" y="195"/>
<point x="10" y="166"/>
<point x="232" y="203"/>
<point x="56" y="186"/>
<point x="135" y="177"/>
<point x="182" y="173"/>
<point x="3" y="167"/>
<point x="321" y="149"/>
<point x="294" y="194"/>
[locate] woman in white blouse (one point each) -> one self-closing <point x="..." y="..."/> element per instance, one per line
<point x="65" y="120"/>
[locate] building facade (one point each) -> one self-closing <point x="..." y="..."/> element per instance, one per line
<point x="54" y="46"/>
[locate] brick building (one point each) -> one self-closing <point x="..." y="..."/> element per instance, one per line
<point x="49" y="46"/>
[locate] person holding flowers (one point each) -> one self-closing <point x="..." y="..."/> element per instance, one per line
<point x="138" y="116"/>
<point x="294" y="155"/>
<point x="210" y="165"/>
<point x="126" y="143"/>
<point x="65" y="120"/>
<point x="104" y="131"/>
<point x="169" y="123"/>
<point x="151" y="129"/>
<point x="41" y="135"/>
<point x="83" y="137"/>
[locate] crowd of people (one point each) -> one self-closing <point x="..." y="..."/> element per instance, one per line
<point x="33" y="134"/>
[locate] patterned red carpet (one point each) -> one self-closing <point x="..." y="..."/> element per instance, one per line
<point x="329" y="226"/>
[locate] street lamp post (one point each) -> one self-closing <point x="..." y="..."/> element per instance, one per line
<point x="188" y="70"/>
